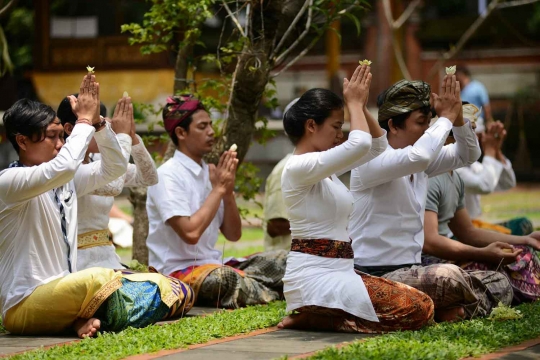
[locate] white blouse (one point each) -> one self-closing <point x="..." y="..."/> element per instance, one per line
<point x="484" y="178"/>
<point x="319" y="206"/>
<point x="94" y="208"/>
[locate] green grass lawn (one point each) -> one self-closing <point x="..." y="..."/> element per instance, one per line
<point x="522" y="201"/>
<point x="447" y="341"/>
<point x="187" y="331"/>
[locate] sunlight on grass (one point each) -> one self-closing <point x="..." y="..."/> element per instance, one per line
<point x="519" y="202"/>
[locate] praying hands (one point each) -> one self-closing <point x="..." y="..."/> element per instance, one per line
<point x="86" y="105"/>
<point x="448" y="103"/>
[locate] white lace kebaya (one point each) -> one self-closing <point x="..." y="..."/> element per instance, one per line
<point x="94" y="208"/>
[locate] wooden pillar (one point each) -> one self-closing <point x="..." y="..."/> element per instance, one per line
<point x="42" y="34"/>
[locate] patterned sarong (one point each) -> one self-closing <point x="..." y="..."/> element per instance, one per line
<point x="258" y="280"/>
<point x="524" y="273"/>
<point x="398" y="307"/>
<point x="477" y="292"/>
<point x="117" y="299"/>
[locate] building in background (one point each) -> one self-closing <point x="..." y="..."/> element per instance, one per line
<point x="504" y="54"/>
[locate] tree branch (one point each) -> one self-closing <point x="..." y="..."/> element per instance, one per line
<point x="233" y="18"/>
<point x="395" y="44"/>
<point x="8" y="6"/>
<point x="298" y="57"/>
<point x="291" y="27"/>
<point x="300" y="38"/>
<point x="406" y="14"/>
<point x="463" y="40"/>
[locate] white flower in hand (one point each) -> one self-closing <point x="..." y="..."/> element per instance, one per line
<point x="90" y="69"/>
<point x="451" y="70"/>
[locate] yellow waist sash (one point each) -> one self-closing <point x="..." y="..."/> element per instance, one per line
<point x="93" y="238"/>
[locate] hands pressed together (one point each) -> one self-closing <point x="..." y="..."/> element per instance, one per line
<point x="86" y="108"/>
<point x="448" y="103"/>
<point x="356" y="90"/>
<point x="223" y="175"/>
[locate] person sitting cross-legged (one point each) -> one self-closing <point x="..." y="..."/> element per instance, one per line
<point x="475" y="249"/>
<point x="320" y="283"/>
<point x="493" y="173"/>
<point x="387" y="224"/>
<point x="192" y="202"/>
<point x="41" y="291"/>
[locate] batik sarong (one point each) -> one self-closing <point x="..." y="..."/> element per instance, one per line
<point x="398" y="307"/>
<point x="118" y="300"/>
<point x="449" y="286"/>
<point x="258" y="280"/>
<point x="524" y="273"/>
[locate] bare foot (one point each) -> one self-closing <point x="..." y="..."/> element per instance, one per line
<point x="450" y="315"/>
<point x="295" y="321"/>
<point x="87" y="328"/>
<point x="310" y="321"/>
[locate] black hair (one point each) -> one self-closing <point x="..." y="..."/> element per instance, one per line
<point x="66" y="115"/>
<point x="399" y="120"/>
<point x="464" y="70"/>
<point x="184" y="124"/>
<point x="29" y="118"/>
<point x="316" y="104"/>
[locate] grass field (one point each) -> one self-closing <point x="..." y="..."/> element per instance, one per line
<point x="524" y="200"/>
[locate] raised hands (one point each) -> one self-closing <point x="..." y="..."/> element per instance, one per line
<point x="448" y="103"/>
<point x="492" y="138"/>
<point x="356" y="90"/>
<point x="122" y="121"/>
<point x="86" y="105"/>
<point x="223" y="175"/>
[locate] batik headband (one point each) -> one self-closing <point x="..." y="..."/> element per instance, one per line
<point x="403" y="97"/>
<point x="178" y="109"/>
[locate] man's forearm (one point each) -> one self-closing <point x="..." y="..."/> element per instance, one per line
<point x="481" y="238"/>
<point x="232" y="224"/>
<point x="448" y="249"/>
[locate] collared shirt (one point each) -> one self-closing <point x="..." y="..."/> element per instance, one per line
<point x="183" y="188"/>
<point x="94" y="208"/>
<point x="274" y="208"/>
<point x="318" y="207"/>
<point x="483" y="178"/>
<point x="387" y="223"/>
<point x="33" y="251"/>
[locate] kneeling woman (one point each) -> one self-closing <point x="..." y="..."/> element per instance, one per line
<point x="320" y="283"/>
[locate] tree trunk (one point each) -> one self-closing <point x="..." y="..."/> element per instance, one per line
<point x="138" y="195"/>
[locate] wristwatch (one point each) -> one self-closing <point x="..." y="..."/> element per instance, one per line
<point x="100" y="125"/>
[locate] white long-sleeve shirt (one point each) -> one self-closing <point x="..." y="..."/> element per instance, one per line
<point x="94" y="208"/>
<point x="387" y="223"/>
<point x="483" y="178"/>
<point x="33" y="251"/>
<point x="318" y="207"/>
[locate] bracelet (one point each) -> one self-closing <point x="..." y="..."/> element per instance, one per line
<point x="100" y="125"/>
<point x="83" y="120"/>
